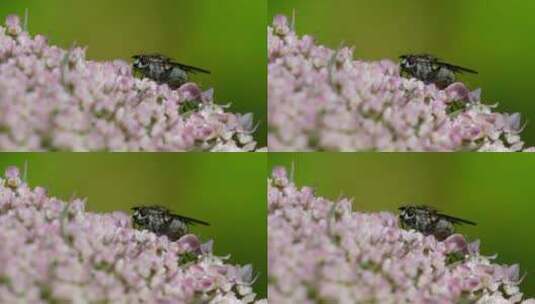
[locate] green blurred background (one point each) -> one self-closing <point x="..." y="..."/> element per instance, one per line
<point x="226" y="37"/>
<point x="226" y="190"/>
<point x="494" y="37"/>
<point x="494" y="190"/>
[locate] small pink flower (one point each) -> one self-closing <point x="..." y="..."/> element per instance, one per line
<point x="280" y="25"/>
<point x="190" y="91"/>
<point x="189" y="243"/>
<point x="13" y="25"/>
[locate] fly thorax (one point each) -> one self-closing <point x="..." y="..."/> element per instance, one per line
<point x="424" y="223"/>
<point x="424" y="71"/>
<point x="156" y="72"/>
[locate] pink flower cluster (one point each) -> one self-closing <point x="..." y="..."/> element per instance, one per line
<point x="323" y="252"/>
<point x="55" y="252"/>
<point x="55" y="99"/>
<point x="323" y="99"/>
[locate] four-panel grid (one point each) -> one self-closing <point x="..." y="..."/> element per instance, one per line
<point x="317" y="91"/>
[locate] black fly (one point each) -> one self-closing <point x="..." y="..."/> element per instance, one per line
<point x="161" y="221"/>
<point x="163" y="69"/>
<point x="430" y="69"/>
<point x="429" y="221"/>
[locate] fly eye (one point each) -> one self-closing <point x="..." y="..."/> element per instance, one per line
<point x="140" y="63"/>
<point x="405" y="63"/>
<point x="140" y="213"/>
<point x="409" y="214"/>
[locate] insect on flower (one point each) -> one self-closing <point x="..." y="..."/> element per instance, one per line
<point x="429" y="221"/>
<point x="430" y="69"/>
<point x="163" y="69"/>
<point x="161" y="221"/>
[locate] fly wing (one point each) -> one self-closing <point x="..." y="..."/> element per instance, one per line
<point x="456" y="220"/>
<point x="456" y="68"/>
<point x="189" y="220"/>
<point x="189" y="68"/>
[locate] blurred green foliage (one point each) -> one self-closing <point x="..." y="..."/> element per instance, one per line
<point x="491" y="36"/>
<point x="226" y="37"/>
<point x="227" y="190"/>
<point x="494" y="190"/>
